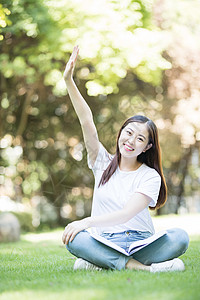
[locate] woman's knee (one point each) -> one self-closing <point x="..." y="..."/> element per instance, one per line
<point x="179" y="237"/>
<point x="74" y="246"/>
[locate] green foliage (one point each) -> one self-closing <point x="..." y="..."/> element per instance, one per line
<point x="110" y="41"/>
<point x="41" y="139"/>
<point x="130" y="62"/>
<point x="4" y="20"/>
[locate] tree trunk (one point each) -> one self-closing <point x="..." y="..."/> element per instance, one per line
<point x="183" y="169"/>
<point x="24" y="114"/>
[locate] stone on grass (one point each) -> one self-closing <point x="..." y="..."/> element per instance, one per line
<point x="9" y="228"/>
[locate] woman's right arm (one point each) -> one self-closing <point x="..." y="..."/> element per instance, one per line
<point x="82" y="109"/>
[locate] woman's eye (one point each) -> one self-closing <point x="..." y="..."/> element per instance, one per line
<point x="128" y="132"/>
<point x="140" y="139"/>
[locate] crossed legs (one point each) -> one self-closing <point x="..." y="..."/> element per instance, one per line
<point x="169" y="246"/>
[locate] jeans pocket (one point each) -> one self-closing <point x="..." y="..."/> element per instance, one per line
<point x="107" y="235"/>
<point x="144" y="234"/>
<point x="137" y="235"/>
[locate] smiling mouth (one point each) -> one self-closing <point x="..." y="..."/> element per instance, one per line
<point x="128" y="148"/>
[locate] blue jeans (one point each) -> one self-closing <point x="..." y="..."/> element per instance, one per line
<point x="169" y="246"/>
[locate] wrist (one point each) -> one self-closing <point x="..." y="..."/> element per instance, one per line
<point x="68" y="81"/>
<point x="88" y="222"/>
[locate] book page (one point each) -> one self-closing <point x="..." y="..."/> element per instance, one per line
<point x="147" y="240"/>
<point x="108" y="243"/>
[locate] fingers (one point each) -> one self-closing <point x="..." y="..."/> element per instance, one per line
<point x="65" y="238"/>
<point x="64" y="235"/>
<point x="73" y="234"/>
<point x="75" y="53"/>
<point x="72" y="229"/>
<point x="68" y="73"/>
<point x="68" y="234"/>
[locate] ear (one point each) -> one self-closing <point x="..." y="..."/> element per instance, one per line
<point x="147" y="147"/>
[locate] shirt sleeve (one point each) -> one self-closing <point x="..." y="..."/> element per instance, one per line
<point x="102" y="160"/>
<point x="150" y="186"/>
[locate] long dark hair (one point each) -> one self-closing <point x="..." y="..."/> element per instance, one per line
<point x="152" y="157"/>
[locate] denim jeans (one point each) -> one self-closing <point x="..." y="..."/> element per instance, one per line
<point x="169" y="246"/>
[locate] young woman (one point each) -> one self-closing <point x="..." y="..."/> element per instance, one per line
<point x="126" y="185"/>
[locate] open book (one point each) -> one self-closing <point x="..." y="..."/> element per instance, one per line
<point x="134" y="247"/>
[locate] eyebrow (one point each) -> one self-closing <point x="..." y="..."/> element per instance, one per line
<point x="139" y="133"/>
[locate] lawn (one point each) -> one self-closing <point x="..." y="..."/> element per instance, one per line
<point x="39" y="267"/>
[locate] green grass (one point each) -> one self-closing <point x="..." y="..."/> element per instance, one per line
<point x="41" y="268"/>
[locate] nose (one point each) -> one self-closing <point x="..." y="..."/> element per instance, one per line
<point x="131" y="140"/>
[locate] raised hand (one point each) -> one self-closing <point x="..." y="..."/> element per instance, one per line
<point x="69" y="69"/>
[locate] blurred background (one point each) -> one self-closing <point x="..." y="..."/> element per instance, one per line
<point x="136" y="57"/>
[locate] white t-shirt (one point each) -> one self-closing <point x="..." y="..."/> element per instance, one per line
<point x="122" y="185"/>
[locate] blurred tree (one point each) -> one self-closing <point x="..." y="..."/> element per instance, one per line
<point x="180" y="96"/>
<point x="41" y="138"/>
<point x="4" y="21"/>
<point x="120" y="73"/>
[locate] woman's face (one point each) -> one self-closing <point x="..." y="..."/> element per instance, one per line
<point x="134" y="139"/>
